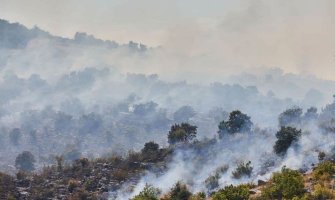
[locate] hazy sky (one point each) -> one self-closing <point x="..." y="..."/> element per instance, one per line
<point x="296" y="35"/>
<point x="121" y="20"/>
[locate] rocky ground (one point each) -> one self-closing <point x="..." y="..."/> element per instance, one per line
<point x="84" y="179"/>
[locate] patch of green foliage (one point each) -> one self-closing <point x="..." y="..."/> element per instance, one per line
<point x="321" y="192"/>
<point x="240" y="192"/>
<point x="179" y="192"/>
<point x="182" y="133"/>
<point x="323" y="171"/>
<point x="286" y="184"/>
<point x="286" y="136"/>
<point x="237" y="122"/>
<point x="148" y="193"/>
<point x="198" y="196"/>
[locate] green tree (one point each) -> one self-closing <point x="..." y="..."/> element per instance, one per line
<point x="25" y="161"/>
<point x="150" y="147"/>
<point x="237" y="122"/>
<point x="286" y="136"/>
<point x="183" y="132"/>
<point x="286" y="184"/>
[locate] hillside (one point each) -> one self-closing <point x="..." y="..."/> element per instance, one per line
<point x="87" y="118"/>
<point x="134" y="174"/>
<point x="104" y="179"/>
<point x="17" y="36"/>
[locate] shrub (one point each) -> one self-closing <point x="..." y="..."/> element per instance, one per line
<point x="198" y="196"/>
<point x="148" y="193"/>
<point x="179" y="192"/>
<point x="219" y="196"/>
<point x="237" y="122"/>
<point x="243" y="169"/>
<point x="150" y="147"/>
<point x="285" y="137"/>
<point x="323" y="171"/>
<point x="321" y="193"/>
<point x="183" y="132"/>
<point x="240" y="192"/>
<point x="284" y="185"/>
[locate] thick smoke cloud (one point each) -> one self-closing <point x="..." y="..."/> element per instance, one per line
<point x="72" y="95"/>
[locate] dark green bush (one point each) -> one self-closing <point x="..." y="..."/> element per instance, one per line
<point x="179" y="192"/>
<point x="237" y="122"/>
<point x="286" y="136"/>
<point x="183" y="132"/>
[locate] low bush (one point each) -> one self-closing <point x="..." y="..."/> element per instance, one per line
<point x="286" y="184"/>
<point x="240" y="192"/>
<point x="148" y="193"/>
<point x="323" y="171"/>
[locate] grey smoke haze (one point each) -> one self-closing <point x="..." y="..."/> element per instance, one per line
<point x="77" y="95"/>
<point x="194" y="165"/>
<point x="200" y="40"/>
<point x="53" y="88"/>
